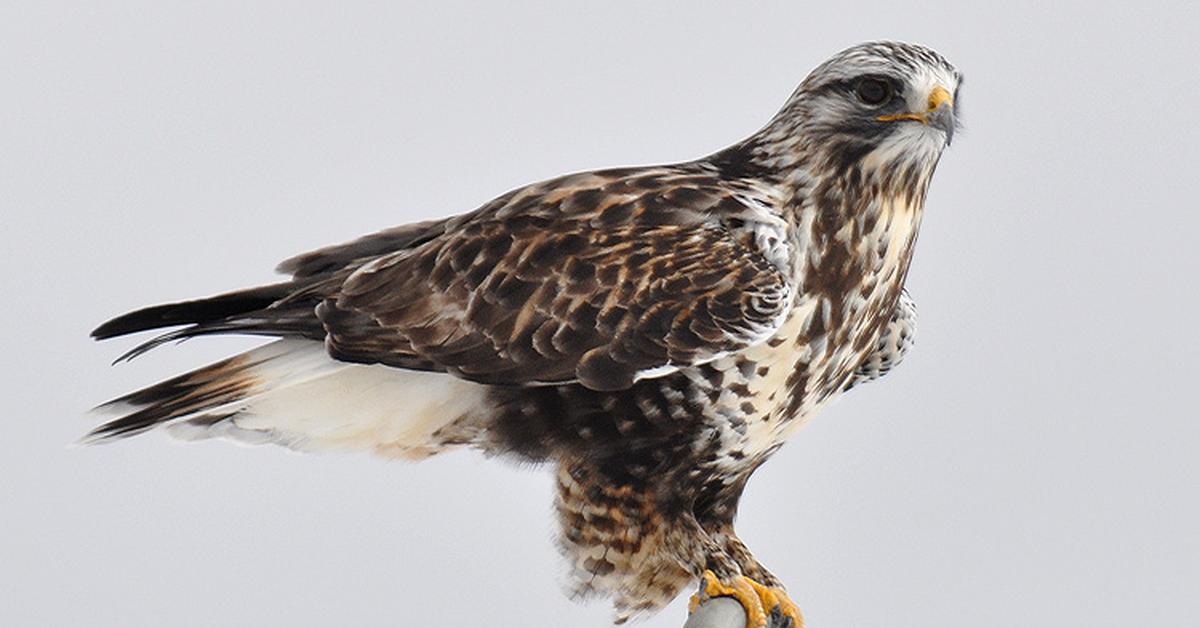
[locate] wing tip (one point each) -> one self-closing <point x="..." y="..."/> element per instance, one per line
<point x="195" y="311"/>
<point x="112" y="328"/>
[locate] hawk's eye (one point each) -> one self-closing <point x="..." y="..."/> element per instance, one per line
<point x="873" y="91"/>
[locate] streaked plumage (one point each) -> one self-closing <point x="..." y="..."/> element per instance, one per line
<point x="655" y="332"/>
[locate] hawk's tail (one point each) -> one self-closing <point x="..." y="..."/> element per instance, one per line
<point x="290" y="392"/>
<point x="216" y="392"/>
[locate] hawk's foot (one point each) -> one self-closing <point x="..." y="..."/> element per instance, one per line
<point x="765" y="606"/>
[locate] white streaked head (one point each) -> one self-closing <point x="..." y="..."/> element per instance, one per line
<point x="882" y="107"/>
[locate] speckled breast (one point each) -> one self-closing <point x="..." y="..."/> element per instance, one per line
<point x="859" y="272"/>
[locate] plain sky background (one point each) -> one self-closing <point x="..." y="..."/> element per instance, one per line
<point x="1032" y="463"/>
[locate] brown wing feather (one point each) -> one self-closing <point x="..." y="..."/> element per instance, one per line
<point x="600" y="278"/>
<point x="332" y="258"/>
<point x="594" y="279"/>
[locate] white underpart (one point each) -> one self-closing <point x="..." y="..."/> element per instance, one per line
<point x="884" y="247"/>
<point x="309" y="402"/>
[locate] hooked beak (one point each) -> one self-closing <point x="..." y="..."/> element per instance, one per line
<point x="939" y="115"/>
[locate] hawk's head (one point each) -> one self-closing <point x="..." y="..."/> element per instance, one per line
<point x="884" y="108"/>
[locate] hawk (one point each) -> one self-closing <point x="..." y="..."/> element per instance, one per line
<point x="655" y="333"/>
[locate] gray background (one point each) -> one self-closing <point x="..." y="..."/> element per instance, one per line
<point x="1031" y="464"/>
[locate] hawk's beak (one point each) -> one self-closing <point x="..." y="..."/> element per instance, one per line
<point x="939" y="115"/>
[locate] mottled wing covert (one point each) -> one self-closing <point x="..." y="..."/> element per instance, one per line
<point x="532" y="299"/>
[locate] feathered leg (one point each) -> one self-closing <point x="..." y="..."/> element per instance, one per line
<point x="760" y="593"/>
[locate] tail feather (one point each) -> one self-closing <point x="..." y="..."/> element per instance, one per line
<point x="291" y="393"/>
<point x="220" y="388"/>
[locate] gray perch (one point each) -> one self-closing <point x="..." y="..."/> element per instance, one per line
<point x="718" y="612"/>
<point x="726" y="612"/>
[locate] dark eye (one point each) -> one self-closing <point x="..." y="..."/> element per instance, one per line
<point x="873" y="91"/>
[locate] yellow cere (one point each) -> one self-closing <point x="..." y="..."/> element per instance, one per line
<point x="939" y="97"/>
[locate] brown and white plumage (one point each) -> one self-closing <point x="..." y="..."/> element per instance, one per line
<point x="656" y="332"/>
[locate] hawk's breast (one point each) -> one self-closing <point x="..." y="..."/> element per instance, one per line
<point x="778" y="385"/>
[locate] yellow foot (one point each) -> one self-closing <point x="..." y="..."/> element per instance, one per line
<point x="762" y="603"/>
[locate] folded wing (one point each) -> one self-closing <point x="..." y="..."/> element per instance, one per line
<point x="599" y="279"/>
<point x="503" y="305"/>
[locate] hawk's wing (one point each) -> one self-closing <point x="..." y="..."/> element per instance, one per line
<point x="598" y="278"/>
<point x="506" y="302"/>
